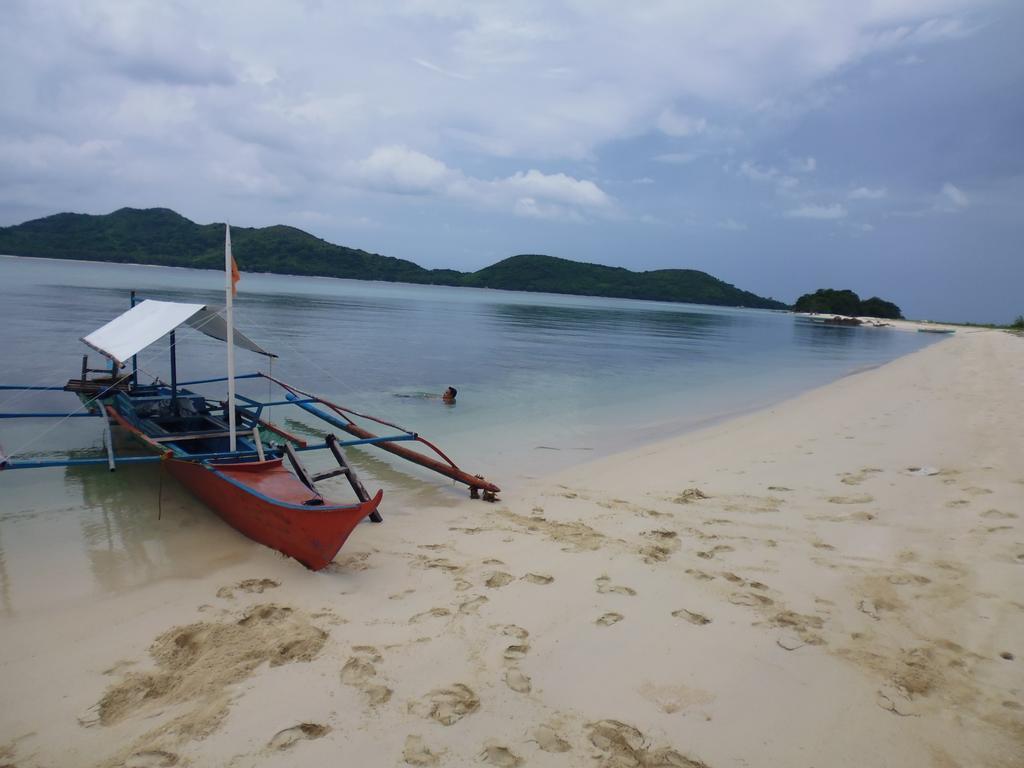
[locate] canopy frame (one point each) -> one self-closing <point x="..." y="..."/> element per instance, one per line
<point x="150" y="320"/>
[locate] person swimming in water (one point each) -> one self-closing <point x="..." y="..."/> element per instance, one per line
<point x="448" y="396"/>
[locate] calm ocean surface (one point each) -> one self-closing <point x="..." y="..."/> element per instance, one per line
<point x="544" y="381"/>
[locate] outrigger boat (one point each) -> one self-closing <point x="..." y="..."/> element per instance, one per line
<point x="225" y="452"/>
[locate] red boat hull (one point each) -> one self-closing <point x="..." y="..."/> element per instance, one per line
<point x="264" y="501"/>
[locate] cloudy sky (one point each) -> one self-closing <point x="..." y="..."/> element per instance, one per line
<point x="780" y="145"/>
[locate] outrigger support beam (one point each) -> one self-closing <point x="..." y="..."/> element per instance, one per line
<point x="108" y="439"/>
<point x="350" y="474"/>
<point x="476" y="483"/>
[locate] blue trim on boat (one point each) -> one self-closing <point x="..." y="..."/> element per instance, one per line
<point x="277" y="502"/>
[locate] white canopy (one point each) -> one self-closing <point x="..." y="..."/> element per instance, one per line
<point x="149" y="320"/>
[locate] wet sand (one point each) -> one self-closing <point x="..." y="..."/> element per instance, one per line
<point x="835" y="581"/>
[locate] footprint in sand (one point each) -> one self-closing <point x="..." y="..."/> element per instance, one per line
<point x="538" y="578"/>
<point x="861" y="499"/>
<point x="900" y="579"/>
<point x="699" y="575"/>
<point x="154" y="758"/>
<point x="694" y="618"/>
<point x="750" y="599"/>
<point x="447" y="705"/>
<point x="355" y="561"/>
<point x="252" y="586"/>
<point x="998" y="515"/>
<point x="801" y="624"/>
<point x="417" y="753"/>
<point x="433" y="613"/>
<point x="290" y="736"/>
<point x="496" y="754"/>
<point x="974" y="490"/>
<point x="517" y="680"/>
<point x="868" y="608"/>
<point x="690" y="495"/>
<point x="604" y="587"/>
<point x="856" y="478"/>
<point x="608" y="619"/>
<point x="437" y="563"/>
<point x="576" y="536"/>
<point x="472" y="605"/>
<point x="623" y="744"/>
<point x="499" y="579"/>
<point x="511" y="630"/>
<point x="549" y="740"/>
<point x="716" y="550"/>
<point x="665" y="543"/>
<point x="957" y="503"/>
<point x="359" y="672"/>
<point x="516" y="652"/>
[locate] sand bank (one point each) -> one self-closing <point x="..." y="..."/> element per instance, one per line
<point x="836" y="581"/>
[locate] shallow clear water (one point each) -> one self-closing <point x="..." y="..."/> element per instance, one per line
<point x="544" y="381"/>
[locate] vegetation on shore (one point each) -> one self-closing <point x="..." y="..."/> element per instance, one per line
<point x="162" y="237"/>
<point x="845" y="302"/>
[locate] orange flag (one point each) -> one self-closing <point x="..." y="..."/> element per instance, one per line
<point x="229" y="259"/>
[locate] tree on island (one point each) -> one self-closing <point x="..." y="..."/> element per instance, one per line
<point x="845" y="302"/>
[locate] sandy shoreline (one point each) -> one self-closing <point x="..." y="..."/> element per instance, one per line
<point x="781" y="589"/>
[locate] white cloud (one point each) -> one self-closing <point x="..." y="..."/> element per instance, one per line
<point x="559" y="187"/>
<point x="529" y="207"/>
<point x="400" y="170"/>
<point x="678" y="125"/>
<point x="867" y="193"/>
<point x="823" y="212"/>
<point x="404" y="171"/>
<point x="953" y="198"/>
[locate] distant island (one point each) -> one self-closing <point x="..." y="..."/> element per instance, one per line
<point x="832" y="302"/>
<point x="162" y="237"/>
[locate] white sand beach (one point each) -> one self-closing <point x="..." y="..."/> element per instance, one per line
<point x="835" y="581"/>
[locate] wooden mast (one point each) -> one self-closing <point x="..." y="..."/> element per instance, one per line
<point x="228" y="291"/>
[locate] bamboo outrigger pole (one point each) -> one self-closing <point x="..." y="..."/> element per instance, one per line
<point x="229" y="290"/>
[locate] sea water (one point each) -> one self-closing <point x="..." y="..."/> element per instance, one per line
<point x="544" y="381"/>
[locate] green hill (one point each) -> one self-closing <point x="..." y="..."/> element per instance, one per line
<point x="846" y="302"/>
<point x="161" y="236"/>
<point x="553" y="275"/>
